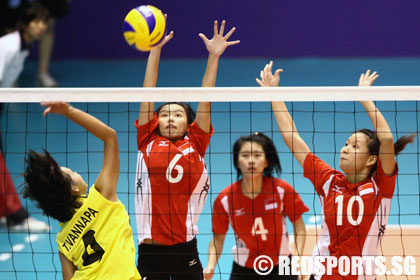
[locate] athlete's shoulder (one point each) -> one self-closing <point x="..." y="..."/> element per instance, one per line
<point x="229" y="190"/>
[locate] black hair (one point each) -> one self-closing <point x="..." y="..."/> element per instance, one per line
<point x="269" y="150"/>
<point x="49" y="186"/>
<point x="374" y="144"/>
<point x="188" y="110"/>
<point x="33" y="11"/>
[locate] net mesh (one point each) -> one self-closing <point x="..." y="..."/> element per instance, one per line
<point x="324" y="116"/>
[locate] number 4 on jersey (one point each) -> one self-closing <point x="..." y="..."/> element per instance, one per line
<point x="258" y="228"/>
<point x="90" y="241"/>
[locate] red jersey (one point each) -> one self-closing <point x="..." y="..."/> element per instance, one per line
<point x="171" y="183"/>
<point x="354" y="215"/>
<point x="259" y="224"/>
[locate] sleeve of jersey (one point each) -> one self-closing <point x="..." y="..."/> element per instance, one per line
<point x="146" y="132"/>
<point x="220" y="219"/>
<point x="200" y="138"/>
<point x="317" y="171"/>
<point x="294" y="206"/>
<point x="385" y="183"/>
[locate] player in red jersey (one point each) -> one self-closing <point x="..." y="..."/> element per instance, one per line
<point x="355" y="203"/>
<point x="172" y="180"/>
<point x="255" y="207"/>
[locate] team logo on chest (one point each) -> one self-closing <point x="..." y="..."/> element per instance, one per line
<point x="270" y="204"/>
<point x="337" y="189"/>
<point x="239" y="212"/>
<point x="163" y="143"/>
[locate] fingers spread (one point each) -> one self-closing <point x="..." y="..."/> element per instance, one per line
<point x="234" y="42"/>
<point x="222" y="28"/>
<point x="202" y="36"/>
<point x="215" y="28"/>
<point x="227" y="36"/>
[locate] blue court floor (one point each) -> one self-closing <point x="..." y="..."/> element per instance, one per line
<point x="34" y="256"/>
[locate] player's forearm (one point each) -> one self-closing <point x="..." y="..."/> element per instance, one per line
<point x="210" y="76"/>
<point x="203" y="117"/>
<point x="152" y="68"/>
<point x="92" y="124"/>
<point x="289" y="132"/>
<point x="300" y="236"/>
<point x="379" y="123"/>
<point x="215" y="250"/>
<point x="146" y="112"/>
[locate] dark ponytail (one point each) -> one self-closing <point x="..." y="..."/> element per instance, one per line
<point x="374" y="144"/>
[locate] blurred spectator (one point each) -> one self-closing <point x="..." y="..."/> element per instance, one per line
<point x="15" y="46"/>
<point x="11" y="11"/>
<point x="57" y="8"/>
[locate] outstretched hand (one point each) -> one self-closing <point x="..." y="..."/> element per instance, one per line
<point x="167" y="37"/>
<point x="367" y="79"/>
<point x="217" y="45"/>
<point x="56" y="107"/>
<point x="267" y="77"/>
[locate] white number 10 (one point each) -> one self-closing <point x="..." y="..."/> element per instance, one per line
<point x="355" y="198"/>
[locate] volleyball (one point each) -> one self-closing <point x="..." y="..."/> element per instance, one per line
<point x="144" y="27"/>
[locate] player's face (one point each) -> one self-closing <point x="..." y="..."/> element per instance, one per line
<point x="36" y="29"/>
<point x="173" y="121"/>
<point x="355" y="157"/>
<point x="251" y="159"/>
<point x="78" y="184"/>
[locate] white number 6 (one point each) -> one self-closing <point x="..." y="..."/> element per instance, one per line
<point x="178" y="168"/>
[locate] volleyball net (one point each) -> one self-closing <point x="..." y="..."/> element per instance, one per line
<point x="325" y="117"/>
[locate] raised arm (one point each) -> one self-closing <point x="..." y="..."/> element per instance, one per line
<point x="150" y="79"/>
<point x="215" y="250"/>
<point x="215" y="46"/>
<point x="106" y="182"/>
<point x="284" y="120"/>
<point x="380" y="125"/>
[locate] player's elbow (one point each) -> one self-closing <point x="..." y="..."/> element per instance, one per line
<point x="111" y="136"/>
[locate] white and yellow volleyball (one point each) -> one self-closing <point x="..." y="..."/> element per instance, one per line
<point x="144" y="27"/>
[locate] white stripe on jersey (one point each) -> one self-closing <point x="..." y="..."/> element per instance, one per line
<point x="321" y="248"/>
<point x="285" y="249"/>
<point x="197" y="201"/>
<point x="326" y="186"/>
<point x="377" y="230"/>
<point x="149" y="148"/>
<point x="240" y="251"/>
<point x="143" y="200"/>
<point x="188" y="151"/>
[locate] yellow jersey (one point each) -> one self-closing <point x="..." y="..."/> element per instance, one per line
<point x="99" y="240"/>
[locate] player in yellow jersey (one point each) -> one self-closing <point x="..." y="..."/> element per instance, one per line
<point x="96" y="240"/>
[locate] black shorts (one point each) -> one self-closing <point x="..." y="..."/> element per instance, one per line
<point x="240" y="272"/>
<point x="175" y="262"/>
